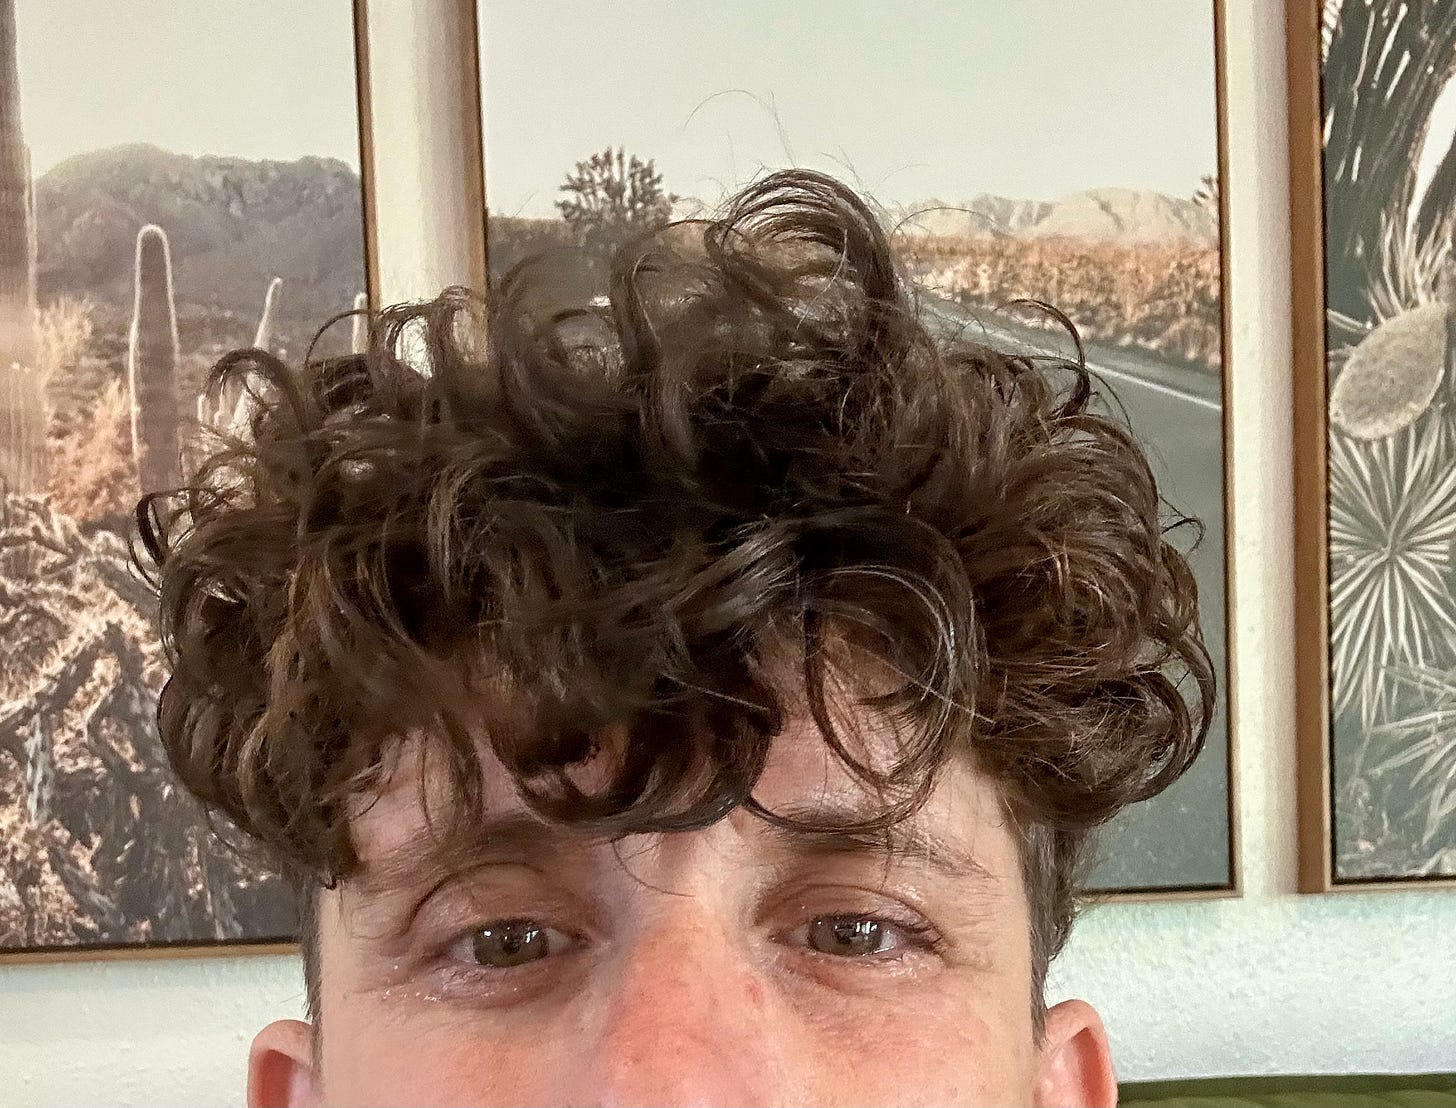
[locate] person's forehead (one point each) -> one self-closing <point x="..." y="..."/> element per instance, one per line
<point x="801" y="775"/>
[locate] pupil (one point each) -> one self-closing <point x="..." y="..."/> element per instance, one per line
<point x="847" y="935"/>
<point x="509" y="944"/>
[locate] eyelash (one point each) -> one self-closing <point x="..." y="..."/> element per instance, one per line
<point x="919" y="936"/>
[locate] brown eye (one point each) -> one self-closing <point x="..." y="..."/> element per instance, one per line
<point x="509" y="943"/>
<point x="851" y="936"/>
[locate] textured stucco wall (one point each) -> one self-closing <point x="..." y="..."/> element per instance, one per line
<point x="1272" y="982"/>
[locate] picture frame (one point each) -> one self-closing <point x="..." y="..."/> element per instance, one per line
<point x="1373" y="635"/>
<point x="46" y="839"/>
<point x="510" y="230"/>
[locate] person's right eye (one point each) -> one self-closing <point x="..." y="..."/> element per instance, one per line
<point x="507" y="944"/>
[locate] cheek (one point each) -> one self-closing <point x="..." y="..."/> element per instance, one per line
<point x="969" y="1043"/>
<point x="943" y="1048"/>
<point x="373" y="1055"/>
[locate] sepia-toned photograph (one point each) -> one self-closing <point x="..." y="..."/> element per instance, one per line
<point x="999" y="181"/>
<point x="176" y="181"/>
<point x="1384" y="767"/>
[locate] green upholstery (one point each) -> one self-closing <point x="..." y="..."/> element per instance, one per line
<point x="1428" y="1090"/>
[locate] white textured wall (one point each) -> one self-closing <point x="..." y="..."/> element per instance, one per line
<point x="1272" y="982"/>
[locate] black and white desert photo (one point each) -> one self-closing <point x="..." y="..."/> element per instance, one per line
<point x="176" y="180"/>
<point x="995" y="139"/>
<point x="1389" y="124"/>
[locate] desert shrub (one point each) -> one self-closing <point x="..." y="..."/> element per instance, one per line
<point x="93" y="474"/>
<point x="66" y="334"/>
<point x="1164" y="298"/>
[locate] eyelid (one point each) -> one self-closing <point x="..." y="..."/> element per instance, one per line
<point x="494" y="895"/>
<point x="920" y="933"/>
<point x="468" y="935"/>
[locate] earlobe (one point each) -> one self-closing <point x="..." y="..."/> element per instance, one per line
<point x="281" y="1067"/>
<point x="1075" y="1065"/>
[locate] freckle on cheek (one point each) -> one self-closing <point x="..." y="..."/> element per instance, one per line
<point x="754" y="989"/>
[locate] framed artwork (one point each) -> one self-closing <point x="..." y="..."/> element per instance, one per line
<point x="1373" y="182"/>
<point x="152" y="216"/>
<point x="1000" y="180"/>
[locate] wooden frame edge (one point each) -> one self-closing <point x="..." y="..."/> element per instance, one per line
<point x="1311" y="475"/>
<point x="473" y="95"/>
<point x="1094" y="898"/>
<point x="364" y="102"/>
<point x="147" y="952"/>
<point x="480" y="152"/>
<point x="1230" y="459"/>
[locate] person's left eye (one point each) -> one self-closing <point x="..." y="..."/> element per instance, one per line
<point x="867" y="936"/>
<point x="506" y="944"/>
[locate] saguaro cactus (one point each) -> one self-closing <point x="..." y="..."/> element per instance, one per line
<point x="23" y="409"/>
<point x="152" y="364"/>
<point x="24" y="414"/>
<point x="263" y="339"/>
<point x="17" y="262"/>
<point x="31" y="232"/>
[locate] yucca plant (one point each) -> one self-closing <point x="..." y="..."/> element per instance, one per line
<point x="1413" y="262"/>
<point x="1378" y="106"/>
<point x="1392" y="525"/>
<point x="1422" y="744"/>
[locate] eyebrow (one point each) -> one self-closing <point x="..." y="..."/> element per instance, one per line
<point x="827" y="831"/>
<point x="424" y="858"/>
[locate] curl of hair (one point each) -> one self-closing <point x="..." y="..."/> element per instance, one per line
<point x="765" y="437"/>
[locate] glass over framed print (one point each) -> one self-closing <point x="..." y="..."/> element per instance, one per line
<point x="997" y="141"/>
<point x="176" y="180"/>
<point x="1372" y="118"/>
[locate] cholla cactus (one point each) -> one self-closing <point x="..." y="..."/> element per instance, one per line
<point x="152" y="365"/>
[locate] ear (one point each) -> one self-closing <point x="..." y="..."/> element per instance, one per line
<point x="1075" y="1066"/>
<point x="281" y="1072"/>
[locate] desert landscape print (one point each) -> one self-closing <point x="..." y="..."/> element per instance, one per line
<point x="999" y="180"/>
<point x="152" y="217"/>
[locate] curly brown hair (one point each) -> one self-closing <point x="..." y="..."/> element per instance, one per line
<point x="619" y="511"/>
